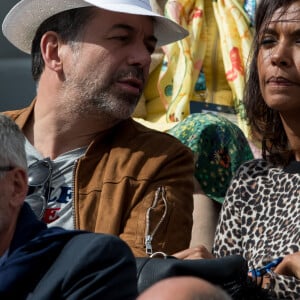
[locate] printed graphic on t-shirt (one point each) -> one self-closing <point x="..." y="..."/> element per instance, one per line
<point x="59" y="210"/>
<point x="57" y="203"/>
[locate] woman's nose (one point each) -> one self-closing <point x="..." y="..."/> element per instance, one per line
<point x="281" y="56"/>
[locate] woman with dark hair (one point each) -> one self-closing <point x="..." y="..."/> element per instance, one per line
<point x="265" y="121"/>
<point x="260" y="218"/>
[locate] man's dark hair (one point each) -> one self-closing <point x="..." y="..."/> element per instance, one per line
<point x="68" y="24"/>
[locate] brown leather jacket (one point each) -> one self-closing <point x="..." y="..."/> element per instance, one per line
<point x="135" y="183"/>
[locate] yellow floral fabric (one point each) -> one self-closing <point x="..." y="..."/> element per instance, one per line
<point x="179" y="71"/>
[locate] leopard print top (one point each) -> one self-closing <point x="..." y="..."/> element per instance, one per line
<point x="260" y="219"/>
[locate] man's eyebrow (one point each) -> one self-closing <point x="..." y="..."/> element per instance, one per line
<point x="127" y="27"/>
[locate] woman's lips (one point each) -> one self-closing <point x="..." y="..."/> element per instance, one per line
<point x="279" y="81"/>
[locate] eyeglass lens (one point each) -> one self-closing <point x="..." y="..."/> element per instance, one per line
<point x="38" y="204"/>
<point x="8" y="168"/>
<point x="39" y="172"/>
<point x="38" y="175"/>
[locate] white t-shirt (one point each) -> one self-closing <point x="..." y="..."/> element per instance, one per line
<point x="59" y="211"/>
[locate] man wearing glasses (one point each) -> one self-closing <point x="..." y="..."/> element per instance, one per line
<point x="91" y="166"/>
<point x="52" y="263"/>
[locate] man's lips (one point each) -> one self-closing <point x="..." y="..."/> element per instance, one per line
<point x="133" y="83"/>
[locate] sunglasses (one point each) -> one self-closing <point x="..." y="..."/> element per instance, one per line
<point x="39" y="179"/>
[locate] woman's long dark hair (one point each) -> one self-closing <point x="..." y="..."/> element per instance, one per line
<point x="265" y="123"/>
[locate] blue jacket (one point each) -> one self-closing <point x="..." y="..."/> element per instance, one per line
<point x="33" y="250"/>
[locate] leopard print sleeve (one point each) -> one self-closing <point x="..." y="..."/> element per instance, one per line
<point x="260" y="220"/>
<point x="228" y="237"/>
<point x="284" y="287"/>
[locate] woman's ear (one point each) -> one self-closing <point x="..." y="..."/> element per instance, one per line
<point x="50" y="43"/>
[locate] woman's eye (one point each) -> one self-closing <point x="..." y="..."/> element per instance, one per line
<point x="267" y="40"/>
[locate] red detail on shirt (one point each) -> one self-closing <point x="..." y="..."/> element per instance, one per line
<point x="50" y="215"/>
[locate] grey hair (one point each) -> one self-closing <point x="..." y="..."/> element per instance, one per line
<point x="12" y="144"/>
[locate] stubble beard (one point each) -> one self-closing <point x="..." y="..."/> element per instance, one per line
<point x="88" y="97"/>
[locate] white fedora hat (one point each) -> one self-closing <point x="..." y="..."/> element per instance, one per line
<point x="23" y="20"/>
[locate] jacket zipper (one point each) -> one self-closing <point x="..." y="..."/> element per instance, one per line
<point x="73" y="193"/>
<point x="149" y="236"/>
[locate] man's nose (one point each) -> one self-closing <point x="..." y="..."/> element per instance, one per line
<point x="139" y="55"/>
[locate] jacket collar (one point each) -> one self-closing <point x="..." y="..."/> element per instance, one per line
<point x="28" y="226"/>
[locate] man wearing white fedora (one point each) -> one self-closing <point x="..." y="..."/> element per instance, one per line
<point x="91" y="166"/>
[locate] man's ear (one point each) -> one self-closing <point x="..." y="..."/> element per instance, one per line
<point x="50" y="43"/>
<point x="19" y="180"/>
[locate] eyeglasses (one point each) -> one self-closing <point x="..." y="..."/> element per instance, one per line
<point x="39" y="172"/>
<point x="39" y="175"/>
<point x="7" y="168"/>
